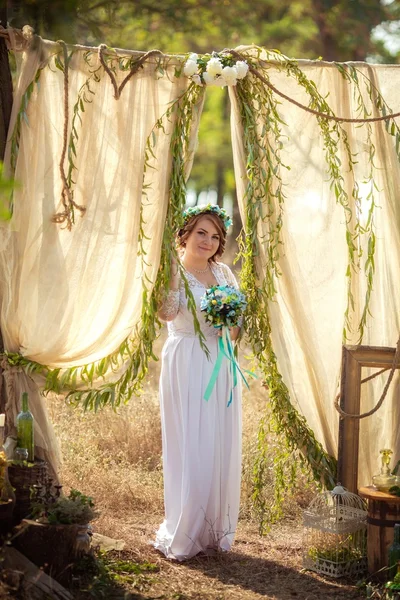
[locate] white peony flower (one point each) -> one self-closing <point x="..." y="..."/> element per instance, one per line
<point x="214" y="67"/>
<point x="230" y="75"/>
<point x="208" y="79"/>
<point x="220" y="81"/>
<point x="197" y="79"/>
<point x="242" y="68"/>
<point x="190" y="68"/>
<point x="193" y="57"/>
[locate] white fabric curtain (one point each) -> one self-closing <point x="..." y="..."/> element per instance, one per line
<point x="71" y="297"/>
<point x="307" y="317"/>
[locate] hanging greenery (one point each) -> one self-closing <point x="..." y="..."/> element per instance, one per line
<point x="85" y="96"/>
<point x="361" y="82"/>
<point x="16" y="134"/>
<point x="264" y="201"/>
<point x="83" y="385"/>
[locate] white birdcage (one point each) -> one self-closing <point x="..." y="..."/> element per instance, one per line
<point x="335" y="534"/>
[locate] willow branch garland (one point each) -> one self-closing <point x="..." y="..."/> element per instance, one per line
<point x="137" y="350"/>
<point x="67" y="196"/>
<point x="16" y="133"/>
<point x="317" y="113"/>
<point x="183" y="109"/>
<point x="264" y="201"/>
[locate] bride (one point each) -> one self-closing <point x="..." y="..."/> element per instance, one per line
<point x="201" y="439"/>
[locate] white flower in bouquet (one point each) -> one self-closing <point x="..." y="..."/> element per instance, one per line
<point x="208" y="79"/>
<point x="230" y="75"/>
<point x="197" y="79"/>
<point x="242" y="69"/>
<point x="193" y="56"/>
<point x="214" y="66"/>
<point x="220" y="81"/>
<point x="190" y="68"/>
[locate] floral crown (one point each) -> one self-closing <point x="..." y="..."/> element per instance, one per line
<point x="211" y="209"/>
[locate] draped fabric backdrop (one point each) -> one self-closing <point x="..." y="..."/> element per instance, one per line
<point x="307" y="318"/>
<point x="71" y="297"/>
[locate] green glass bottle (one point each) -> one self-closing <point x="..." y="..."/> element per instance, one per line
<point x="25" y="429"/>
<point x="394" y="552"/>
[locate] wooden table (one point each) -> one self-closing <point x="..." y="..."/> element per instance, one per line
<point x="383" y="514"/>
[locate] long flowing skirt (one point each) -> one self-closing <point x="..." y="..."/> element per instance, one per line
<point x="201" y="451"/>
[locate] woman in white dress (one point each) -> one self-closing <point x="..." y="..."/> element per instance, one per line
<point x="201" y="439"/>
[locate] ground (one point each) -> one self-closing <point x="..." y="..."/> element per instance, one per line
<point x="267" y="567"/>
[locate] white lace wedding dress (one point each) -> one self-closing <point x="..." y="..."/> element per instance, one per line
<point x="201" y="439"/>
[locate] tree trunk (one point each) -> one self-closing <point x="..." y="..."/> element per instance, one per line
<point x="220" y="178"/>
<point x="6" y="94"/>
<point x="6" y="100"/>
<point x="328" y="42"/>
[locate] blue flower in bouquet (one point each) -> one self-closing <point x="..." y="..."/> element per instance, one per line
<point x="223" y="306"/>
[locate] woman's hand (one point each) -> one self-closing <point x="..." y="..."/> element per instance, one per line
<point x="174" y="266"/>
<point x="234" y="331"/>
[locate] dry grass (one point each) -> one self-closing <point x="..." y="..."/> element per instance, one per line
<point x="116" y="458"/>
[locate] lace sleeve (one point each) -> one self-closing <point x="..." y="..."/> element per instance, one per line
<point x="229" y="276"/>
<point x="170" y="306"/>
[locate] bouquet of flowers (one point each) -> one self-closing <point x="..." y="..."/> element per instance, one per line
<point x="223" y="306"/>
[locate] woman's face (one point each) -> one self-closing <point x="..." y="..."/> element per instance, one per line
<point x="203" y="241"/>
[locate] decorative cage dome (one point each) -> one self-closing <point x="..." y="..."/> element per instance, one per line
<point x="335" y="534"/>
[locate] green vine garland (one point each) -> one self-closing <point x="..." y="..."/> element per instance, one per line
<point x="136" y="351"/>
<point x="264" y="202"/>
<point x="22" y="115"/>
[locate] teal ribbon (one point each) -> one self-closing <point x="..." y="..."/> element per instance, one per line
<point x="225" y="350"/>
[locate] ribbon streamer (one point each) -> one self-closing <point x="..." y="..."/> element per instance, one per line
<point x="225" y="350"/>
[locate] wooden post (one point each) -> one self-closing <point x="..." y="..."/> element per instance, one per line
<point x="349" y="429"/>
<point x="353" y="359"/>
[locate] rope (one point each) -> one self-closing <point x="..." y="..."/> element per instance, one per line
<point x="134" y="68"/>
<point x="67" y="215"/>
<point x="329" y="117"/>
<point x="385" y="389"/>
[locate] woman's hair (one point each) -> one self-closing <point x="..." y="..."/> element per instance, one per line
<point x="187" y="229"/>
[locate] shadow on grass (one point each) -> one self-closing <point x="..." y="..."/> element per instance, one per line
<point x="269" y="578"/>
